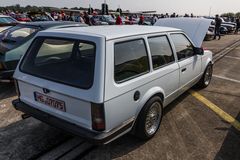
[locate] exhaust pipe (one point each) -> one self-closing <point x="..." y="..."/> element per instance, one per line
<point x="25" y="116"/>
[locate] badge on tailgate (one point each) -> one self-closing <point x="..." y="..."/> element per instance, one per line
<point x="49" y="101"/>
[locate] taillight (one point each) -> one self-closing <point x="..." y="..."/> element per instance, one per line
<point x="17" y="87"/>
<point x="98" y="117"/>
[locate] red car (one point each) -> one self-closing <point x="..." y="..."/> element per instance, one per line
<point x="22" y="18"/>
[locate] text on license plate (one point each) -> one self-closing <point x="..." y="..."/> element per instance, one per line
<point x="52" y="102"/>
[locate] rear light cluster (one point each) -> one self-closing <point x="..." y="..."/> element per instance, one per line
<point x="17" y="87"/>
<point x="98" y="117"/>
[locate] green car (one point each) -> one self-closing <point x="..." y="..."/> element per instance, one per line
<point x="15" y="41"/>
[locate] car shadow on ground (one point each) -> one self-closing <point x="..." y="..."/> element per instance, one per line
<point x="230" y="149"/>
<point x="7" y="90"/>
<point x="128" y="143"/>
<point x="28" y="139"/>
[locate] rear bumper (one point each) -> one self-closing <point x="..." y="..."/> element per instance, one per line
<point x="91" y="136"/>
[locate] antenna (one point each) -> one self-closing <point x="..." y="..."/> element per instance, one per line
<point x="210" y="9"/>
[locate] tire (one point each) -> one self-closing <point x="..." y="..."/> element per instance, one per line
<point x="144" y="131"/>
<point x="206" y="78"/>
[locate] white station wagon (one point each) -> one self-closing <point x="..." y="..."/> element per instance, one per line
<point x="104" y="81"/>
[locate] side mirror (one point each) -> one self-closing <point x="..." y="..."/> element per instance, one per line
<point x="198" y="51"/>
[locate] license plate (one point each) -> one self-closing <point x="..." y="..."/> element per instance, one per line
<point x="49" y="101"/>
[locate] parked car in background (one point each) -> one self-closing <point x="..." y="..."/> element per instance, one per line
<point x="228" y="22"/>
<point x="102" y="82"/>
<point x="223" y="30"/>
<point x="6" y="22"/>
<point x="210" y="33"/>
<point x="230" y="26"/>
<point x="98" y="20"/>
<point x="107" y="18"/>
<point x="148" y="20"/>
<point x="16" y="40"/>
<point x="40" y="16"/>
<point x="22" y="18"/>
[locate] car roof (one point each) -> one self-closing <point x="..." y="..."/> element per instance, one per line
<point x="49" y="24"/>
<point x="113" y="32"/>
<point x="3" y="16"/>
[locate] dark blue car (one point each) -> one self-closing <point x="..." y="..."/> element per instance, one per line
<point x="15" y="41"/>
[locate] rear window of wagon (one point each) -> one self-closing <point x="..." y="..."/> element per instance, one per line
<point x="65" y="61"/>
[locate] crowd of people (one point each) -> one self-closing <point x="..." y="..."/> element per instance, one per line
<point x="91" y="19"/>
<point x="84" y="17"/>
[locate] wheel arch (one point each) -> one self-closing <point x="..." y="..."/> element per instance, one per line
<point x="155" y="91"/>
<point x="207" y="59"/>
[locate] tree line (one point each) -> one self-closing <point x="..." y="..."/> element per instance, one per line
<point x="29" y="8"/>
<point x="231" y="14"/>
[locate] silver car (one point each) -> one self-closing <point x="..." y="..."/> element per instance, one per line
<point x="102" y="82"/>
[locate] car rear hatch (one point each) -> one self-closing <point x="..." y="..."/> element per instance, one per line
<point x="57" y="76"/>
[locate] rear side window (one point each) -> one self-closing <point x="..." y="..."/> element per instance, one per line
<point x="184" y="47"/>
<point x="18" y="34"/>
<point x="161" y="51"/>
<point x="62" y="60"/>
<point x="130" y="60"/>
<point x="7" y="20"/>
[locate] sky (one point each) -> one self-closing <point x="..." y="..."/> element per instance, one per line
<point x="197" y="7"/>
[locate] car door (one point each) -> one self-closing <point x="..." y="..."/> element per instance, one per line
<point x="165" y="66"/>
<point x="189" y="63"/>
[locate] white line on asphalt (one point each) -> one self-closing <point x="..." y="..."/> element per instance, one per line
<point x="225" y="78"/>
<point x="238" y="58"/>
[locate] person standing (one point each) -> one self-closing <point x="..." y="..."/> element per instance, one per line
<point x="173" y="15"/>
<point x="93" y="19"/>
<point x="71" y="17"/>
<point x="218" y="23"/>
<point x="238" y="25"/>
<point x="166" y="15"/>
<point x="81" y="18"/>
<point x="141" y="20"/>
<point x="130" y="19"/>
<point x="86" y="18"/>
<point x="118" y="20"/>
<point x="154" y="19"/>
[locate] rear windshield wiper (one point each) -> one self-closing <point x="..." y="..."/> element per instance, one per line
<point x="9" y="40"/>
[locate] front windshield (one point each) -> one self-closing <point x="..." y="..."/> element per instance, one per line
<point x="109" y="18"/>
<point x="7" y="20"/>
<point x="17" y="34"/>
<point x="40" y="17"/>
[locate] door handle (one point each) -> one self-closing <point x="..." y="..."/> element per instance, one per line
<point x="184" y="69"/>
